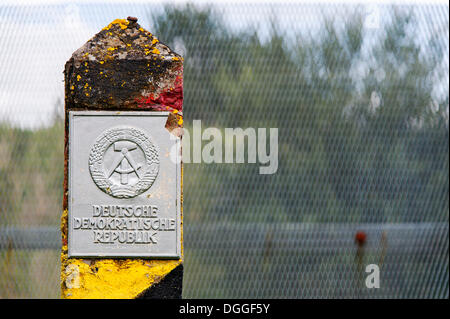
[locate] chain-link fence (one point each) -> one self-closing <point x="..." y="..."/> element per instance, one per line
<point x="359" y="94"/>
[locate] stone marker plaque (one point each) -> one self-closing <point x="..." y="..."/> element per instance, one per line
<point x="124" y="186"/>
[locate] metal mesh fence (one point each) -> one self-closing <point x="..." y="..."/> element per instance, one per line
<point x="359" y="95"/>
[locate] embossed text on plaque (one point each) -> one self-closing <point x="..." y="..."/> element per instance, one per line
<point x="124" y="188"/>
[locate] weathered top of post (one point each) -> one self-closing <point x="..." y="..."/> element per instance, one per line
<point x="124" y="67"/>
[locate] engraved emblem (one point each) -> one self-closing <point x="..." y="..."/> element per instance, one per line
<point x="124" y="162"/>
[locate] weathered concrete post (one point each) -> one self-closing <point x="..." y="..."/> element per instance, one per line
<point x="122" y="210"/>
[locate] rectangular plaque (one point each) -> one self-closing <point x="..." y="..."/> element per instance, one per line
<point x="124" y="185"/>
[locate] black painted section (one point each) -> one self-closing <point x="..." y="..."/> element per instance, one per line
<point x="170" y="287"/>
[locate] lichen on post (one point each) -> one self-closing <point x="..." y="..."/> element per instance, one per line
<point x="123" y="68"/>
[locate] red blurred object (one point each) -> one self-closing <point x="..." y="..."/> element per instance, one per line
<point x="360" y="238"/>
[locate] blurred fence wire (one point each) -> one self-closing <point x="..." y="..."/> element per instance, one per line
<point x="359" y="94"/>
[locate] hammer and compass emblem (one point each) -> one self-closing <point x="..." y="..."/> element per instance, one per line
<point x="124" y="162"/>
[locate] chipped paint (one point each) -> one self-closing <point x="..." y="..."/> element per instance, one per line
<point x="72" y="276"/>
<point x="169" y="98"/>
<point x="174" y="123"/>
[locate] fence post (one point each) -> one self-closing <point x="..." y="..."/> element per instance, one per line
<point x="122" y="209"/>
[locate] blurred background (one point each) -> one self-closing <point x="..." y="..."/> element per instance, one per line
<point x="359" y="94"/>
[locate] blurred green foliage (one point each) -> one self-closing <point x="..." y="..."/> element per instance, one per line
<point x="362" y="138"/>
<point x="31" y="175"/>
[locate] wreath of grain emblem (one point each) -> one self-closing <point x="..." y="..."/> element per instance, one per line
<point x="150" y="167"/>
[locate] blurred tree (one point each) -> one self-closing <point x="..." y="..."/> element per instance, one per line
<point x="350" y="146"/>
